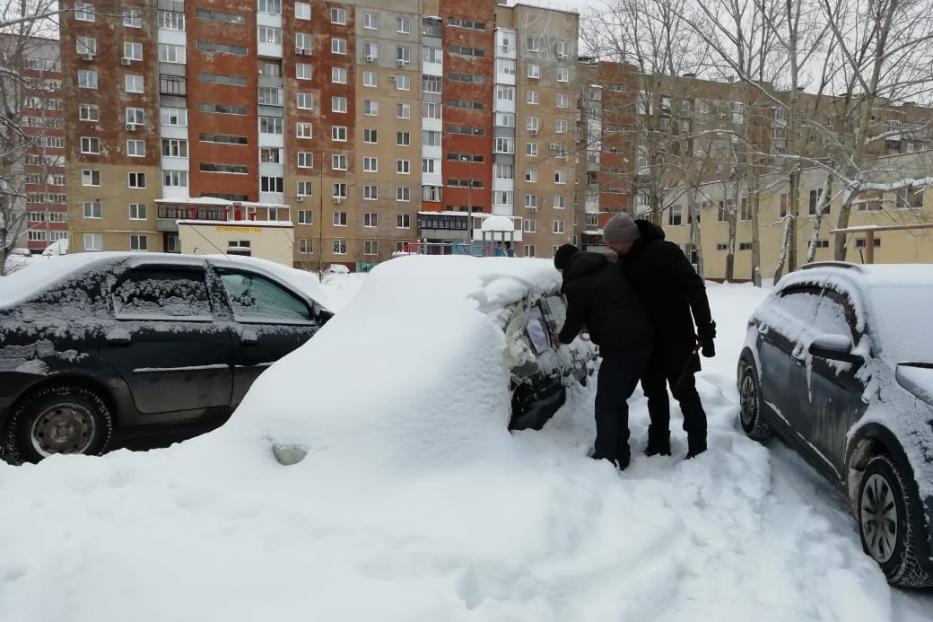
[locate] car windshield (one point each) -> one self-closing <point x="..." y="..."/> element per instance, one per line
<point x="900" y="321"/>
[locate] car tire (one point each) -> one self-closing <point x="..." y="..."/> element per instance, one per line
<point x="750" y="415"/>
<point x="65" y="419"/>
<point x="887" y="500"/>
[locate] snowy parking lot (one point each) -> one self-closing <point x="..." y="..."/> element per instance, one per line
<point x="416" y="504"/>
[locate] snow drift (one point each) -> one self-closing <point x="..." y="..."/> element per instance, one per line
<point x="415" y="503"/>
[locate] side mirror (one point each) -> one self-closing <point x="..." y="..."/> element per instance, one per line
<point x="834" y="348"/>
<point x="323" y="315"/>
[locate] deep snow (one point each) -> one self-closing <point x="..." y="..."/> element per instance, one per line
<point x="416" y="504"/>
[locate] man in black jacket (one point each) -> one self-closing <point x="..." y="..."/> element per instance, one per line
<point x="600" y="298"/>
<point x="674" y="297"/>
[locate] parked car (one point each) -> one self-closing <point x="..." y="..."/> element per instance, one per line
<point x="100" y="344"/>
<point x="839" y="363"/>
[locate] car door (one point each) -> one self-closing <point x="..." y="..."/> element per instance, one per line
<point x="165" y="342"/>
<point x="836" y="392"/>
<point x="782" y="354"/>
<point x="270" y="321"/>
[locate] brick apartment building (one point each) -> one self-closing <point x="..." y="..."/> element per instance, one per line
<point x="354" y="121"/>
<point x="37" y="108"/>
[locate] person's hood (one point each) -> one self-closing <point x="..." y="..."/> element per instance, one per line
<point x="581" y="264"/>
<point x="650" y="232"/>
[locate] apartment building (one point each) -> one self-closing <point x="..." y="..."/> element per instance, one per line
<point x="319" y="114"/>
<point x="34" y="167"/>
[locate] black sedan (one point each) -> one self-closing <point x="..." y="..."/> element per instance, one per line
<point x="839" y="363"/>
<point x="97" y="347"/>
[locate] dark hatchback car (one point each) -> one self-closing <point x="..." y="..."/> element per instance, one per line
<point x="839" y="363"/>
<point x="101" y="347"/>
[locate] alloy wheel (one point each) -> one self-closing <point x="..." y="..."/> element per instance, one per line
<point x="748" y="397"/>
<point x="879" y="518"/>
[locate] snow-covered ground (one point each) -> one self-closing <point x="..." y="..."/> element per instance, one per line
<point x="415" y="504"/>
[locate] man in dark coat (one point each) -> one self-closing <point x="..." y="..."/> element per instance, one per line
<point x="675" y="298"/>
<point x="600" y="298"/>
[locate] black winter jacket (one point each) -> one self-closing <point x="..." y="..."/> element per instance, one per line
<point x="601" y="298"/>
<point x="670" y="289"/>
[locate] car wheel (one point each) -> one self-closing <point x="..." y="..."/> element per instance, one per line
<point x="750" y="415"/>
<point x="891" y="523"/>
<point x="59" y="420"/>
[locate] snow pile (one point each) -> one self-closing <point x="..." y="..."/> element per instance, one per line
<point x="414" y="496"/>
<point x="341" y="288"/>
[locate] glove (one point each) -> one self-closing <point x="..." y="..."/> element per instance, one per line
<point x="706" y="335"/>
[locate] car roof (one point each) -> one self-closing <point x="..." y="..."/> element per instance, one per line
<point x="861" y="275"/>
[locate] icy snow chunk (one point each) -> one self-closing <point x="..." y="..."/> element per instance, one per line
<point x="289" y="454"/>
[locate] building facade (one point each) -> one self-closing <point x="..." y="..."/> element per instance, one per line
<point x="345" y="119"/>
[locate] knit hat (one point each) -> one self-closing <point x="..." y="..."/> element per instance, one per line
<point x="621" y="229"/>
<point x="563" y="255"/>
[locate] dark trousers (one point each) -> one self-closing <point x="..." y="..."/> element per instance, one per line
<point x="663" y="368"/>
<point x="618" y="377"/>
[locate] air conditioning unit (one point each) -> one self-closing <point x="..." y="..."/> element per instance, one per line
<point x="131" y="127"/>
<point x="532" y="209"/>
<point x="370" y="59"/>
<point x="300" y="198"/>
<point x="338" y="200"/>
<point x="87" y="57"/>
<point x="303" y="52"/>
<point x="554" y="146"/>
<point x="533" y="131"/>
<point x="126" y="61"/>
<point x="401" y="63"/>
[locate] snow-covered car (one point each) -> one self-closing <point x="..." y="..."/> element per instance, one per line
<point x="839" y="362"/>
<point x="96" y="344"/>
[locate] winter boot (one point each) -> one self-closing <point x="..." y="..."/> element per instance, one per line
<point x="659" y="444"/>
<point x="695" y="446"/>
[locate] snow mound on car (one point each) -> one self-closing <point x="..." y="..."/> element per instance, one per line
<point x="411" y="371"/>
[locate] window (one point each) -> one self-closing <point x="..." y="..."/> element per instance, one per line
<point x="529" y="225"/>
<point x="169" y="53"/>
<point x="533" y="97"/>
<point x="338" y="16"/>
<point x="534" y="70"/>
<point x="270" y="6"/>
<point x="371" y="21"/>
<point x="560" y="176"/>
<point x="133" y="83"/>
<point x="92" y="209"/>
<point x="340" y="191"/>
<point x="133" y="18"/>
<point x="403" y="167"/>
<point x="563" y="74"/>
<point x="403" y="194"/>
<point x="813" y="199"/>
<point x="172" y="85"/>
<point x="135" y="116"/>
<point x="402" y="111"/>
<point x="270" y="155"/>
<point x="910" y="198"/>
<point x="370" y="247"/>
<point x="220" y="16"/>
<point x="561" y="126"/>
<point x="305" y="216"/>
<point x="305" y="100"/>
<point x="87" y="79"/>
<point x="370" y="220"/>
<point x="505" y="145"/>
<point x="431" y="110"/>
<point x="305" y="246"/>
<point x="302" y="11"/>
<point x="370" y="192"/>
<point x="745" y="209"/>
<point x="370" y="79"/>
<point x="340" y="247"/>
<point x="338" y="104"/>
<point x="467" y="24"/>
<point x="338" y="75"/>
<point x="860" y="243"/>
<point x="338" y="133"/>
<point x="85" y="12"/>
<point x="531" y="201"/>
<point x="175" y="179"/>
<point x="869" y="201"/>
<point x="370" y="164"/>
<point x="338" y="161"/>
<point x="558" y="226"/>
<point x="138" y="211"/>
<point x="432" y="55"/>
<point x="529" y="250"/>
<point x="136" y="148"/>
<point x="90" y="145"/>
<point x="340" y="219"/>
<point x="506" y="93"/>
<point x="531" y="175"/>
<point x="370" y="136"/>
<point x="90" y="177"/>
<point x="675" y="215"/>
<point x="136" y="180"/>
<point x="402" y="83"/>
<point x="86" y="45"/>
<point x="176" y="117"/>
<point x="270" y="125"/>
<point x="271" y="184"/>
<point x="133" y="50"/>
<point x="304" y="190"/>
<point x="370" y="107"/>
<point x="531" y="149"/>
<point x="402" y="55"/>
<point x="88" y="112"/>
<point x="215" y="47"/>
<point x="560" y="201"/>
<point x="139" y="242"/>
<point x="403" y="221"/>
<point x="303" y="129"/>
<point x="273" y="36"/>
<point x="403" y="25"/>
<point x="305" y="159"/>
<point x="403" y="139"/>
<point x="562" y="100"/>
<point x="531" y="44"/>
<point x="338" y="45"/>
<point x="254" y="298"/>
<point x="172" y="20"/>
<point x="93" y="242"/>
<point x="303" y="71"/>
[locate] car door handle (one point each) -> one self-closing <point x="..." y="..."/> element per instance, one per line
<point x="119" y="338"/>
